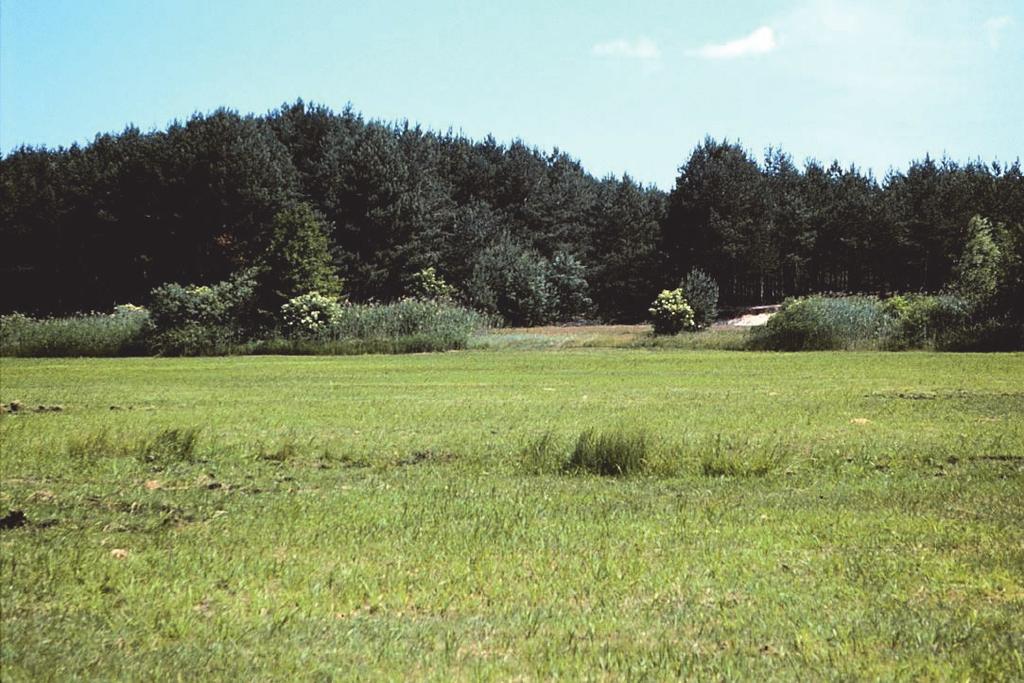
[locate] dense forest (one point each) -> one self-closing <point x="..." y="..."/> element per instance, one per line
<point x="87" y="227"/>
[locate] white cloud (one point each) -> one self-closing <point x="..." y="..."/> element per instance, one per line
<point x="994" y="28"/>
<point x="760" y="42"/>
<point x="641" y="48"/>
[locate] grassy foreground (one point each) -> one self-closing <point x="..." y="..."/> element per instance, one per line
<point x="371" y="516"/>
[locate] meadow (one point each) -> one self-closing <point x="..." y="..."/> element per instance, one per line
<point x="822" y="515"/>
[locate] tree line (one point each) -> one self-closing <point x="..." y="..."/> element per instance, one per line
<point x="87" y="227"/>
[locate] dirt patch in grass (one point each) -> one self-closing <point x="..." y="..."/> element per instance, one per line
<point x="18" y="408"/>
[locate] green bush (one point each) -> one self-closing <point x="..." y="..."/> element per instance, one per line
<point x="670" y="313"/>
<point x="983" y="265"/>
<point x="297" y="260"/>
<point x="918" y="321"/>
<point x="824" y="323"/>
<point x="701" y="292"/>
<point x="522" y="287"/>
<point x="198" y="319"/>
<point x="310" y="315"/>
<point x="567" y="278"/>
<point x="513" y="282"/>
<point x="119" y="334"/>
<point x="427" y="284"/>
<point x="989" y="281"/>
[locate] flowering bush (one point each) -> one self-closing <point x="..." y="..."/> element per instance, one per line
<point x="670" y="314"/>
<point x="427" y="284"/>
<point x="130" y="310"/>
<point x="310" y="315"/>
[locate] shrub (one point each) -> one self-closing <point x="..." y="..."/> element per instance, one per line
<point x="989" y="280"/>
<point x="896" y="306"/>
<point x="119" y="334"/>
<point x="924" y="321"/>
<point x="524" y="288"/>
<point x="986" y="334"/>
<point x="227" y="303"/>
<point x="983" y="265"/>
<point x="823" y="323"/>
<point x="614" y="453"/>
<point x="200" y="319"/>
<point x="670" y="313"/>
<point x="310" y="315"/>
<point x="129" y="310"/>
<point x="701" y="291"/>
<point x="567" y="278"/>
<point x="512" y="281"/>
<point x="297" y="259"/>
<point x="427" y="284"/>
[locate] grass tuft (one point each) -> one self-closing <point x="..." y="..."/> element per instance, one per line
<point x="164" y="447"/>
<point x="611" y="453"/>
<point x="93" y="446"/>
<point x="728" y="459"/>
<point x="543" y="455"/>
<point x="288" y="450"/>
<point x="169" y="446"/>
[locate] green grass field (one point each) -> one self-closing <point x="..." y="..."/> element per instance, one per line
<point x="379" y="516"/>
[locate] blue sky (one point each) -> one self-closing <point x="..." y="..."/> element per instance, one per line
<point x="623" y="86"/>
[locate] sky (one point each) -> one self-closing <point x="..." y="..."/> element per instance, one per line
<point x="625" y="87"/>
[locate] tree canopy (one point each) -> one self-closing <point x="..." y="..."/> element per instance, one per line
<point x="90" y="226"/>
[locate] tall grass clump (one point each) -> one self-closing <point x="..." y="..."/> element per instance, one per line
<point x="404" y="326"/>
<point x="413" y="324"/>
<point x="161" y="448"/>
<point x="543" y="455"/>
<point x="118" y="334"/>
<point x="169" y="446"/>
<point x="819" y="323"/>
<point x="732" y="458"/>
<point x="611" y="453"/>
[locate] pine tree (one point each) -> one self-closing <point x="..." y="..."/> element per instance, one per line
<point x="297" y="259"/>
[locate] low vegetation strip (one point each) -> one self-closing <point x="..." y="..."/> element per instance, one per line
<point x="585" y="513"/>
